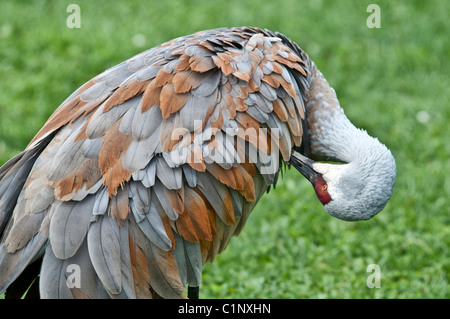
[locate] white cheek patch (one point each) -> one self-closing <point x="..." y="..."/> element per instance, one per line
<point x="331" y="174"/>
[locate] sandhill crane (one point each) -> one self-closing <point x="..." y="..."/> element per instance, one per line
<point x="144" y="173"/>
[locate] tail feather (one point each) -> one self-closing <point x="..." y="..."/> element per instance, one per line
<point x="73" y="277"/>
<point x="13" y="175"/>
<point x="12" y="265"/>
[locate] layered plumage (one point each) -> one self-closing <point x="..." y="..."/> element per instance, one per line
<point x="146" y="171"/>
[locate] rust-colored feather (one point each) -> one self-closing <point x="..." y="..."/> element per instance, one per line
<point x="125" y="93"/>
<point x="252" y="132"/>
<point x="119" y="205"/>
<point x="139" y="267"/>
<point x="88" y="173"/>
<point x="171" y="102"/>
<point x="114" y="147"/>
<point x="249" y="167"/>
<point x="65" y="114"/>
<point x="222" y="61"/>
<point x="249" y="186"/>
<point x="168" y="229"/>
<point x="196" y="210"/>
<point x="183" y="63"/>
<point x="184" y="81"/>
<point x="280" y="110"/>
<point x="175" y="198"/>
<point x="201" y="64"/>
<point x="230" y="177"/>
<point x="186" y="228"/>
<point x="164" y="276"/>
<point x="162" y="78"/>
<point x="151" y="96"/>
<point x="210" y="211"/>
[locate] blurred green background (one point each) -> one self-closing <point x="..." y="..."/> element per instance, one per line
<point x="392" y="81"/>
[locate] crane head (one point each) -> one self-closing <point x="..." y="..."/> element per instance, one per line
<point x="351" y="191"/>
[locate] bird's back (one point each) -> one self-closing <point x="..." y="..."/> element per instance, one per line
<point x="146" y="171"/>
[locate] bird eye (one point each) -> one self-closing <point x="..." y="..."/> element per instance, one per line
<point x="324" y="187"/>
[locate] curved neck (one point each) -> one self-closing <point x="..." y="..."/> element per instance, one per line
<point x="361" y="187"/>
<point x="332" y="136"/>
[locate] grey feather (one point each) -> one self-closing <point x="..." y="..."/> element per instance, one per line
<point x="145" y="124"/>
<point x="170" y="177"/>
<point x="23" y="230"/>
<point x="91" y="147"/>
<point x="214" y="191"/>
<point x="170" y="66"/>
<point x="238" y="202"/>
<point x="94" y="92"/>
<point x="67" y="158"/>
<point x="268" y="92"/>
<point x="100" y="204"/>
<point x="168" y="159"/>
<point x="257" y="76"/>
<point x="117" y="80"/>
<point x="138" y="175"/>
<point x="299" y="104"/>
<point x="69" y="225"/>
<point x="190" y="175"/>
<point x="127" y="121"/>
<point x="275" y="125"/>
<point x="162" y="203"/>
<point x="128" y="289"/>
<point x="59" y="276"/>
<point x="136" y="63"/>
<point x="13" y="175"/>
<point x="52" y="280"/>
<point x="290" y="105"/>
<point x="147" y="73"/>
<point x="104" y="250"/>
<point x="141" y="197"/>
<point x="209" y="86"/>
<point x="179" y="155"/>
<point x="189" y="261"/>
<point x="153" y="227"/>
<point x="139" y="153"/>
<point x="257" y="114"/>
<point x="41" y="195"/>
<point x="12" y="265"/>
<point x="137" y="216"/>
<point x="112" y="72"/>
<point x="194" y="111"/>
<point x="83" y="192"/>
<point x="150" y="174"/>
<point x="230" y="127"/>
<point x="232" y="154"/>
<point x="101" y="121"/>
<point x="180" y="258"/>
<point x="204" y="135"/>
<point x="268" y="67"/>
<point x="197" y="51"/>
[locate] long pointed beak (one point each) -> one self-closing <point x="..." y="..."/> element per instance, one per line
<point x="304" y="165"/>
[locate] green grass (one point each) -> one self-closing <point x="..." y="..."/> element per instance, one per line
<point x="384" y="77"/>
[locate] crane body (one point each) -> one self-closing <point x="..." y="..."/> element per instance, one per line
<point x="144" y="173"/>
